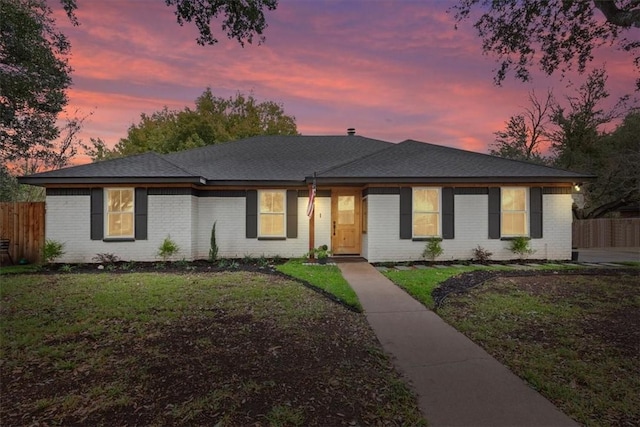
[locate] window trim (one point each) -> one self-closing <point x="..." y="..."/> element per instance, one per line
<point x="527" y="213"/>
<point x="283" y="214"/>
<point x="414" y="236"/>
<point x="128" y="237"/>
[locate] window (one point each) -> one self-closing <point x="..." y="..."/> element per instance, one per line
<point x="514" y="212"/>
<point x="271" y="214"/>
<point x="119" y="212"/>
<point x="426" y="212"/>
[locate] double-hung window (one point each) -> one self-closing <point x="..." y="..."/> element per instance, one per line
<point x="271" y="213"/>
<point x="119" y="212"/>
<point x="514" y="212"/>
<point x="426" y="212"/>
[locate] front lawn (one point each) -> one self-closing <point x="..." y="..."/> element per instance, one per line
<point x="575" y="338"/>
<point x="421" y="283"/>
<point x="234" y="348"/>
<point x="325" y="277"/>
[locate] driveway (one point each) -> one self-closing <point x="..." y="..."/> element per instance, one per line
<point x="608" y="254"/>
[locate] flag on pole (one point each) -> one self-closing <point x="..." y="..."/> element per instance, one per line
<point x="312" y="199"/>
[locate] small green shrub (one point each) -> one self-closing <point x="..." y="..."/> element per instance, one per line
<point x="520" y="246"/>
<point x="263" y="262"/>
<point x="213" y="251"/>
<point x="128" y="265"/>
<point x="167" y="249"/>
<point x="481" y="255"/>
<point x="52" y="250"/>
<point x="67" y="268"/>
<point x="432" y="250"/>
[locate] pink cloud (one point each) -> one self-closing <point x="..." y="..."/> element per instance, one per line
<point x="393" y="70"/>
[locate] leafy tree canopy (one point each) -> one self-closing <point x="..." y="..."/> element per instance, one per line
<point x="214" y="120"/>
<point x="242" y="20"/>
<point x="575" y="133"/>
<point x="34" y="77"/>
<point x="558" y="34"/>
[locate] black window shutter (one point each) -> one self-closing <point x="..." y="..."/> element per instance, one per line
<point x="406" y="213"/>
<point x="252" y="214"/>
<point x="495" y="207"/>
<point x="97" y="214"/>
<point x="535" y="212"/>
<point x="292" y="214"/>
<point x="140" y="207"/>
<point x="448" y="231"/>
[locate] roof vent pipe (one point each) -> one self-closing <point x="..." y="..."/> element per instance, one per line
<point x="351" y="131"/>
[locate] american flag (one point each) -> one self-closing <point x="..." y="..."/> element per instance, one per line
<point x="312" y="199"/>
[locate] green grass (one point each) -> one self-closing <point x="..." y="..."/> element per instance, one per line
<point x="234" y="348"/>
<point x="573" y="338"/>
<point x="326" y="277"/>
<point x="17" y="269"/>
<point x="420" y="283"/>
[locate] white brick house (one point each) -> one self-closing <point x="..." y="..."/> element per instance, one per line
<point x="374" y="199"/>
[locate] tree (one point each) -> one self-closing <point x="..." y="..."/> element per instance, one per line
<point x="560" y="34"/>
<point x="526" y="133"/>
<point x="214" y="120"/>
<point x="579" y="127"/>
<point x="618" y="182"/>
<point x="579" y="143"/>
<point x="243" y="20"/>
<point x="34" y="76"/>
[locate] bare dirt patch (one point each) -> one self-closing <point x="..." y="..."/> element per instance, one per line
<point x="574" y="337"/>
<point x="268" y="353"/>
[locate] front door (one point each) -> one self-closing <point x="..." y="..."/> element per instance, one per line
<point x="345" y="221"/>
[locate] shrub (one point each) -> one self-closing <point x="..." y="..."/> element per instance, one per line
<point x="433" y="249"/>
<point x="213" y="251"/>
<point x="52" y="250"/>
<point x="520" y="246"/>
<point x="167" y="248"/>
<point x="481" y="255"/>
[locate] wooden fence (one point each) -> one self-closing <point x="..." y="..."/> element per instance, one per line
<point x="606" y="233"/>
<point x="23" y="225"/>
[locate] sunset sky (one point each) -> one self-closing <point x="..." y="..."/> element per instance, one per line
<point x="394" y="70"/>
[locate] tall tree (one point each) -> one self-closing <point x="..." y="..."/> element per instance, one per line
<point x="580" y="143"/>
<point x="526" y="133"/>
<point x="242" y="20"/>
<point x="34" y="77"/>
<point x="618" y="182"/>
<point x="214" y="120"/>
<point x="579" y="124"/>
<point x="558" y="34"/>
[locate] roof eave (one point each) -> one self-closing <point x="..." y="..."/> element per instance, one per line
<point x="256" y="183"/>
<point x="452" y="180"/>
<point x="44" y="181"/>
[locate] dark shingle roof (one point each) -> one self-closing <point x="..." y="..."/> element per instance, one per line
<point x="275" y="158"/>
<point x="411" y="160"/>
<point x="294" y="159"/>
<point x="139" y="168"/>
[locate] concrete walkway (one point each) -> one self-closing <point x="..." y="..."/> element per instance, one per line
<point x="457" y="382"/>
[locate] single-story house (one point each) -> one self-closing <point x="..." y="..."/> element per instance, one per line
<point x="375" y="199"/>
